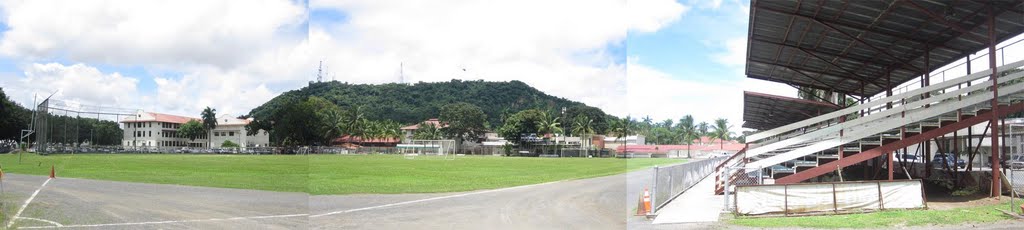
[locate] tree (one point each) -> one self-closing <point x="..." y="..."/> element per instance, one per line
<point x="463" y="120"/>
<point x="298" y="123"/>
<point x="600" y="124"/>
<point x="209" y="116"/>
<point x="622" y="128"/>
<point x="688" y="132"/>
<point x="583" y="127"/>
<point x="520" y="124"/>
<point x="355" y="122"/>
<point x="333" y="123"/>
<point x="427" y="131"/>
<point x="191" y="130"/>
<point x="703" y="129"/>
<point x="721" y="131"/>
<point x="549" y="124"/>
<point x="13" y="118"/>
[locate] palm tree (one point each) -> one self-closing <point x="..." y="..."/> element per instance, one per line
<point x="621" y="129"/>
<point x="702" y="129"/>
<point x="335" y="125"/>
<point x="209" y="122"/>
<point x="583" y="126"/>
<point x="427" y="131"/>
<point x="549" y="125"/>
<point x="721" y="131"/>
<point x="392" y="129"/>
<point x="688" y="132"/>
<point x="355" y="122"/>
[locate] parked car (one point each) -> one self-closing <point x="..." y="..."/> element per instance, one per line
<point x="909" y="158"/>
<point x="943" y="158"/>
<point x="1015" y="162"/>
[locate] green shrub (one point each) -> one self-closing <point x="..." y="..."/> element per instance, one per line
<point x="229" y="144"/>
<point x="965" y="191"/>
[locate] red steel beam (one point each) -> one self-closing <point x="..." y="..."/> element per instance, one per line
<point x="878" y="151"/>
<point x="858" y="60"/>
<point x="862" y="79"/>
<point x="943" y="20"/>
<point x="996" y="191"/>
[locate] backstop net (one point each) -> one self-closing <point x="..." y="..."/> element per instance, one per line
<point x="61" y="126"/>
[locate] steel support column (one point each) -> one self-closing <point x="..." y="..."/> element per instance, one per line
<point x="996" y="190"/>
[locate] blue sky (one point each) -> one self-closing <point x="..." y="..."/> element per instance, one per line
<point x="686" y="47"/>
<point x="694" y="65"/>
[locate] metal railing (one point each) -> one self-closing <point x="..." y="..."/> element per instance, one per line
<point x="669" y="182"/>
<point x="914" y="110"/>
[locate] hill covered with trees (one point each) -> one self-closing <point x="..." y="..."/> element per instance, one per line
<point x="410" y="104"/>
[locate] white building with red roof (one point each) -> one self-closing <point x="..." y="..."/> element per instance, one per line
<point x="148" y="129"/>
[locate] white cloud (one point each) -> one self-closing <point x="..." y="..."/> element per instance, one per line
<point x="230" y="55"/>
<point x="219" y="33"/>
<point x="78" y="83"/>
<point x="652" y="15"/>
<point x="230" y="92"/>
<point x="735" y="53"/>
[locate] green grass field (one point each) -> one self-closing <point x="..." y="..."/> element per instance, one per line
<point x="325" y="174"/>
<point x="883" y="219"/>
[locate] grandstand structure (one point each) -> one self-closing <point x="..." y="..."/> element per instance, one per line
<point x="927" y="77"/>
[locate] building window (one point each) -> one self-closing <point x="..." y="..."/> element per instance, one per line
<point x="150" y="134"/>
<point x="232" y="133"/>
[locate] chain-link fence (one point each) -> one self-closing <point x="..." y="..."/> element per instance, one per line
<point x="671" y="181"/>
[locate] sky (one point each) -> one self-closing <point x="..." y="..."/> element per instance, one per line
<point x="657" y="58"/>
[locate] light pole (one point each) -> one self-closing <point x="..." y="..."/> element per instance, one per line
<point x="563" y="133"/>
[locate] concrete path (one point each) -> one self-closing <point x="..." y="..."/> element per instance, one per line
<point x="594" y="203"/>
<point x="96" y="204"/>
<point x="699" y="204"/>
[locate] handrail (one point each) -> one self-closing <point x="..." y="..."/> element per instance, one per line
<point x="742" y="151"/>
<point x="910" y="94"/>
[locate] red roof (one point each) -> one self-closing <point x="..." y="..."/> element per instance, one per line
<point x="432" y="121"/>
<point x="708" y="140"/>
<point x="666" y="148"/>
<point x="159" y="117"/>
<point x="351" y="139"/>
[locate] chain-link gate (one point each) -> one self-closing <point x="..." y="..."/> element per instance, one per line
<point x="738" y="176"/>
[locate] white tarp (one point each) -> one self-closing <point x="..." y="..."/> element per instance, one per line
<point x="828" y="197"/>
<point x="902" y="195"/>
<point x="761" y="199"/>
<point x="856" y="196"/>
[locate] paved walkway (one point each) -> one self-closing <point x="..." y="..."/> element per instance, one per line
<point x="699" y="204"/>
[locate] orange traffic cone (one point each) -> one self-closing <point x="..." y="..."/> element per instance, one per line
<point x="52" y="175"/>
<point x="643" y="206"/>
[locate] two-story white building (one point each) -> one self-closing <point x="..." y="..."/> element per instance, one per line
<point x="147" y="129"/>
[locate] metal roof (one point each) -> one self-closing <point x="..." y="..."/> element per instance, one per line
<point x="847" y="45"/>
<point x="765" y="111"/>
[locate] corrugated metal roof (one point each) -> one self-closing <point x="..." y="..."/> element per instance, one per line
<point x="765" y="111"/>
<point x="849" y="46"/>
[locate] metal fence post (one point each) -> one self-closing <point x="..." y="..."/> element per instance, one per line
<point x="726" y="187"/>
<point x="654" y="191"/>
